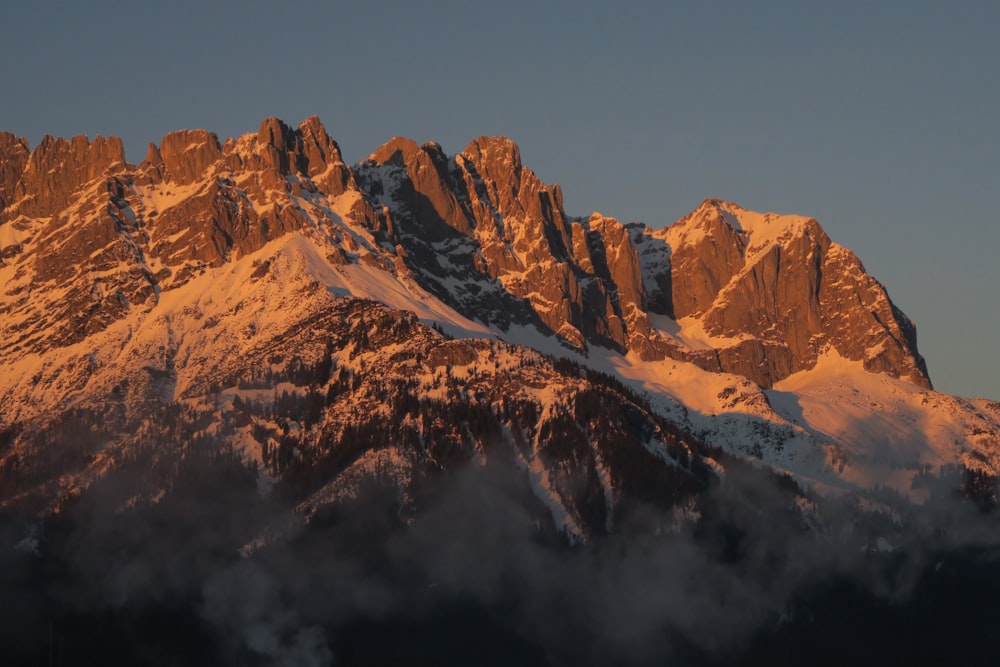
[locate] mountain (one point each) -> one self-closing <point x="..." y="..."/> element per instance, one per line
<point x="130" y="284"/>
<point x="253" y="323"/>
<point x="594" y="281"/>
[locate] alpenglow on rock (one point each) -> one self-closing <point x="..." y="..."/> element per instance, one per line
<point x="760" y="295"/>
<point x="244" y="365"/>
<point x="247" y="269"/>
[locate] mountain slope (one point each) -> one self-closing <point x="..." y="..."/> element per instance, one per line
<point x="478" y="230"/>
<point x="786" y="292"/>
<point x="261" y="407"/>
<point x="156" y="285"/>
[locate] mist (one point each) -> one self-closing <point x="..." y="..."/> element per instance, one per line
<point x="476" y="575"/>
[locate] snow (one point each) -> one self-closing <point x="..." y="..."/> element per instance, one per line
<point x="835" y="427"/>
<point x="690" y="332"/>
<point x="158" y="198"/>
<point x="387" y="464"/>
<point x="604" y="477"/>
<point x="363" y="281"/>
<point x="762" y="230"/>
<point x="888" y="428"/>
<point x="15" y="232"/>
<point x="529" y="336"/>
<point x="541" y="485"/>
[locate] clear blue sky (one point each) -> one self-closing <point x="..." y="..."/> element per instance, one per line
<point x="880" y="119"/>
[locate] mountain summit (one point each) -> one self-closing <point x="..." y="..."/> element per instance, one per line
<point x="258" y="406"/>
<point x="166" y="282"/>
<point x="759" y="295"/>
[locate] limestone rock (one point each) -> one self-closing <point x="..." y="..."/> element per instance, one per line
<point x="706" y="252"/>
<point x="760" y="295"/>
<point x="186" y="154"/>
<point x="578" y="278"/>
<point x="14" y="156"/>
<point x="57" y="167"/>
<point x="786" y="291"/>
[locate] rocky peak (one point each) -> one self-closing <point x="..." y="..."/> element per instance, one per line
<point x="757" y="294"/>
<point x="437" y="153"/>
<point x="153" y="162"/>
<point x="706" y="252"/>
<point x="579" y="278"/>
<point x="275" y="141"/>
<point x="318" y="149"/>
<point x="14" y="156"/>
<point x="186" y="154"/>
<point x="496" y="163"/>
<point x="398" y="151"/>
<point x="781" y="292"/>
<point x="531" y="214"/>
<point x="498" y="156"/>
<point x="308" y="150"/>
<point x="57" y="167"/>
<point x="621" y="259"/>
<point x="275" y="133"/>
<point x="713" y="207"/>
<point x="416" y="183"/>
<point x="277" y="151"/>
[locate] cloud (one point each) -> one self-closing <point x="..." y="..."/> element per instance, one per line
<point x="245" y="603"/>
<point x="477" y="568"/>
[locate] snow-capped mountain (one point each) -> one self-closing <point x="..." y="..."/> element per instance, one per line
<point x="181" y="281"/>
<point x="258" y="406"/>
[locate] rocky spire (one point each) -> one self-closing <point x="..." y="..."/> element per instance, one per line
<point x="316" y="150"/>
<point x="14" y="156"/>
<point x="783" y="291"/>
<point x="764" y="294"/>
<point x="186" y="154"/>
<point x="57" y="167"/>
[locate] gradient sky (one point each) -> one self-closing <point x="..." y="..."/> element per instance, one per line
<point x="880" y="119"/>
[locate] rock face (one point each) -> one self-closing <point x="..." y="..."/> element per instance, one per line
<point x="783" y="292"/>
<point x="13" y="158"/>
<point x="765" y="295"/>
<point x="241" y="346"/>
<point x="57" y="167"/>
<point x="725" y="288"/>
<point x="376" y="396"/>
<point x="183" y="156"/>
<point x="495" y="241"/>
<point x="249" y="269"/>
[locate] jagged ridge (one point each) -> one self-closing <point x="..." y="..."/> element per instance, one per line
<point x="478" y="229"/>
<point x="148" y="280"/>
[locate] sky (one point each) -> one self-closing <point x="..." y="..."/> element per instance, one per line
<point x="879" y="119"/>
